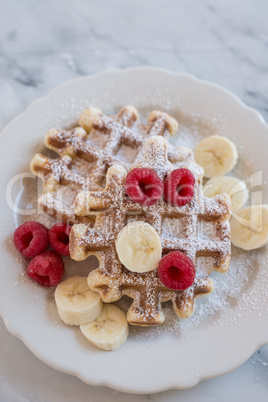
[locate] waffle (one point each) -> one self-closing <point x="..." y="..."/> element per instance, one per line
<point x="86" y="153"/>
<point x="200" y="229"/>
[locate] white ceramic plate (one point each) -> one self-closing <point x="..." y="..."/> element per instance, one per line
<point x="227" y="327"/>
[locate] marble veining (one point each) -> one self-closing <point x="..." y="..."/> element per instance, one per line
<point x="43" y="44"/>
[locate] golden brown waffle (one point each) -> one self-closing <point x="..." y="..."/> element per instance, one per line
<point x="88" y="151"/>
<point x="200" y="229"/>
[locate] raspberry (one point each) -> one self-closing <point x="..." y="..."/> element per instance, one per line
<point x="179" y="187"/>
<point x="143" y="186"/>
<point x="31" y="238"/>
<point x="176" y="271"/>
<point x="46" y="269"/>
<point x="59" y="238"/>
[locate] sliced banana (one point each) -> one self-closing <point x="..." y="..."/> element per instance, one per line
<point x="217" y="155"/>
<point x="139" y="247"/>
<point x="249" y="227"/>
<point x="235" y="188"/>
<point x="76" y="303"/>
<point x="110" y="329"/>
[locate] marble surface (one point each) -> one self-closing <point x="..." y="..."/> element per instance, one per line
<point x="43" y="44"/>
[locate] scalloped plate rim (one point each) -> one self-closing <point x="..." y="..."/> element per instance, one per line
<point x="262" y="339"/>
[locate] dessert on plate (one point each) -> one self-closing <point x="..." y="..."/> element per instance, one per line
<point x="123" y="193"/>
<point x="86" y="152"/>
<point x="182" y="220"/>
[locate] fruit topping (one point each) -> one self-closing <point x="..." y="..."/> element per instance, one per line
<point x="176" y="271"/>
<point x="179" y="187"/>
<point x="59" y="238"/>
<point x="46" y="269"/>
<point x="139" y="247"/>
<point x="31" y="238"/>
<point x="143" y="186"/>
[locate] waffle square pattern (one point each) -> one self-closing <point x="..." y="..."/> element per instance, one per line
<point x="86" y="153"/>
<point x="199" y="229"/>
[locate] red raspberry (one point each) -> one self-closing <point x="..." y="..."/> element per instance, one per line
<point x="47" y="269"/>
<point x="143" y="186"/>
<point x="176" y="271"/>
<point x="31" y="238"/>
<point x="59" y="238"/>
<point x="179" y="187"/>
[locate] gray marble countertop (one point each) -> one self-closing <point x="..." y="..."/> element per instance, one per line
<point x="45" y="43"/>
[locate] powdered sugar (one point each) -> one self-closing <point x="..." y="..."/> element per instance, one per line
<point x="238" y="282"/>
<point x="146" y="289"/>
<point x="112" y="140"/>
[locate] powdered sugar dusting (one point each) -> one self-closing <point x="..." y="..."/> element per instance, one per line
<point x="245" y="268"/>
<point x="146" y="289"/>
<point x="85" y="157"/>
<point x="229" y="289"/>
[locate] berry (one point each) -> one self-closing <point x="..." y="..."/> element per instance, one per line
<point x="31" y="239"/>
<point x="59" y="238"/>
<point x="179" y="187"/>
<point x="143" y="186"/>
<point x="46" y="269"/>
<point x="176" y="271"/>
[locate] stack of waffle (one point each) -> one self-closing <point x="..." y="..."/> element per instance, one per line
<point x="85" y="186"/>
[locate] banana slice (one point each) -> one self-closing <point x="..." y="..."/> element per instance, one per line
<point x="249" y="228"/>
<point x="217" y="155"/>
<point x="235" y="188"/>
<point x="139" y="247"/>
<point x="76" y="303"/>
<point x="110" y="329"/>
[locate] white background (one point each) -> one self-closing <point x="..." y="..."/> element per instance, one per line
<point x="45" y="43"/>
